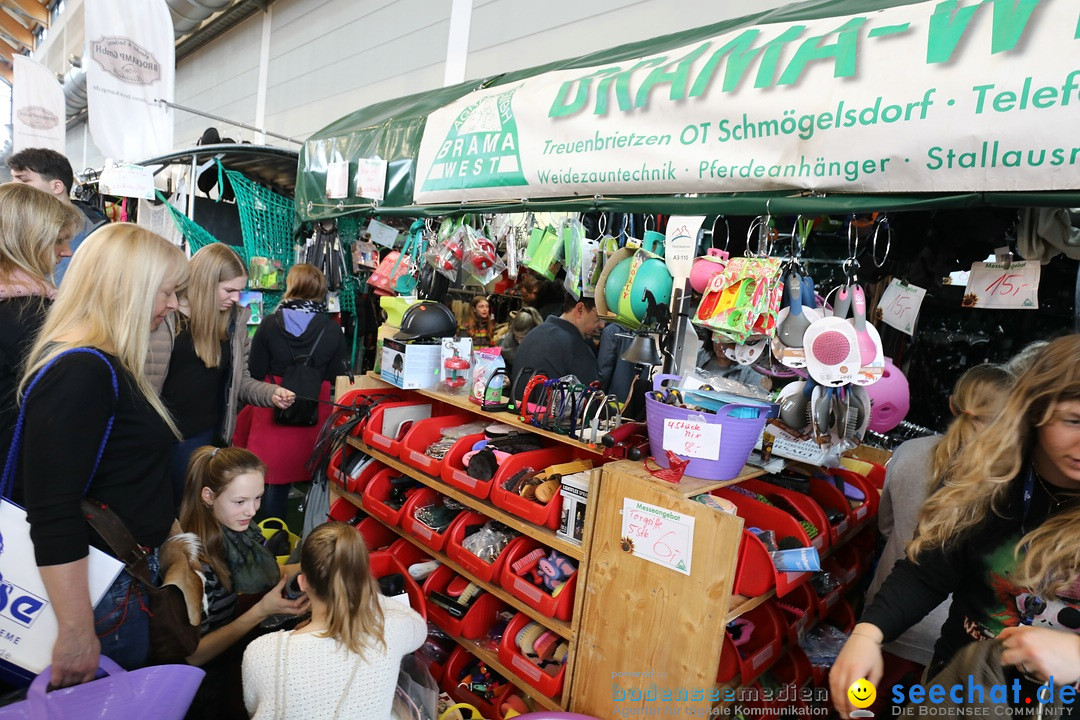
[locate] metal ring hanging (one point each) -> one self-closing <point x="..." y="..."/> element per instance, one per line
<point x="852" y="238"/>
<point x="888" y="242"/>
<point x="601" y="225"/>
<point x="647" y="219"/>
<point x="727" y="232"/>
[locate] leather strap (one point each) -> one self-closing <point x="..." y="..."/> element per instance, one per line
<point x="119" y="539"/>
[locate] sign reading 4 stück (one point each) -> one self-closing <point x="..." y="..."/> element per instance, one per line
<point x="931" y="96"/>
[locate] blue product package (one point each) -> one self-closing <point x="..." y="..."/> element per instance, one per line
<point x="797" y="560"/>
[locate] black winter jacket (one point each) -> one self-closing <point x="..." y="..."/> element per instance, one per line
<point x="273" y="348"/>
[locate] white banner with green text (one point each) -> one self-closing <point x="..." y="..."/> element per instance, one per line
<point x="939" y="96"/>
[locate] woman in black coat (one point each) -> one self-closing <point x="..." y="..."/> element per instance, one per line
<point x="299" y="327"/>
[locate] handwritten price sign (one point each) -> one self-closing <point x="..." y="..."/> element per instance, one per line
<point x="900" y="305"/>
<point x="692" y="438"/>
<point x="371" y="178"/>
<point x="658" y="535"/>
<point x="993" y="285"/>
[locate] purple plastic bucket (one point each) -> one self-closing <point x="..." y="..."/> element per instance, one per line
<point x="738" y="435"/>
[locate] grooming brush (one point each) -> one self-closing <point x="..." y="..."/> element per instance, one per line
<point x="830" y="347"/>
<point x="859" y="412"/>
<point x="793" y="327"/>
<point x="793" y="405"/>
<point x="867" y="348"/>
<point x="809" y="295"/>
<point x="842" y="304"/>
<point x="821" y="411"/>
<point x="840" y="408"/>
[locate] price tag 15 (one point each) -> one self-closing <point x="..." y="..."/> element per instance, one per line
<point x="995" y="285"/>
<point x="900" y="305"/>
<point x="692" y="438"/>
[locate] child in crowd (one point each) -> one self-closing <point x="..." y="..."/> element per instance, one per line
<point x="222" y="493"/>
<point x="344" y="663"/>
<point x="480" y="326"/>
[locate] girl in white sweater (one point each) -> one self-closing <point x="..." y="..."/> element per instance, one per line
<point x="344" y="663"/>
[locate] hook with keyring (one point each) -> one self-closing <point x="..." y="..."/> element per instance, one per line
<point x="727" y="232"/>
<point x="762" y="226"/>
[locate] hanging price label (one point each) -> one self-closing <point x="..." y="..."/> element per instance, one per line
<point x="900" y="305"/>
<point x="995" y="285"/>
<point x="680" y="243"/>
<point x="337" y="179"/>
<point x="371" y="178"/>
<point x="692" y="438"/>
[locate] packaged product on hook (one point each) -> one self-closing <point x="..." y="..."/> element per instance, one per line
<point x="446" y="251"/>
<point x="479" y="259"/>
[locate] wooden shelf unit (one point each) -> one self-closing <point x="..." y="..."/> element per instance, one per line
<point x="559" y="627"/>
<point x="537" y="532"/>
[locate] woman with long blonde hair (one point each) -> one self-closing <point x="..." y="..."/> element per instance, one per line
<point x="344" y="663"/>
<point x="914" y="471"/>
<point x="91" y="424"/>
<point x="1002" y="534"/>
<point x="35" y="231"/>
<point x="207" y="377"/>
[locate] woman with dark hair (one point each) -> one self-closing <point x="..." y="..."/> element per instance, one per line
<point x="299" y="328"/>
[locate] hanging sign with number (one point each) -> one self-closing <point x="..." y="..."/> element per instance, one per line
<point x="1005" y="286"/>
<point x="658" y="535"/>
<point x="900" y="305"/>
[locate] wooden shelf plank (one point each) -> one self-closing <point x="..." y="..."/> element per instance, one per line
<point x="463" y="402"/>
<point x="543" y="534"/>
<point x="739" y="604"/>
<point x="688" y="486"/>
<point x="491" y="658"/>
<point x="557" y="626"/>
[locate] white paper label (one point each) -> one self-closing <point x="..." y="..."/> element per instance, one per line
<point x="992" y="285"/>
<point x="128" y="181"/>
<point x="692" y="438"/>
<point x="337" y="179"/>
<point x="900" y="305"/>
<point x="381" y="233"/>
<point x="659" y="535"/>
<point x="371" y="178"/>
<point x="680" y="242"/>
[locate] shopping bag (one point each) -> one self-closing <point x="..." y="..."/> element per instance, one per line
<point x="25" y="611"/>
<point x="162" y="692"/>
<point x="544" y="252"/>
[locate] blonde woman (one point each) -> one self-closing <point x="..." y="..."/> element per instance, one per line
<point x="35" y="231"/>
<point x="344" y="663"/>
<point x="92" y="424"/>
<point x="915" y="470"/>
<point x="1002" y="535"/>
<point x="207" y="376"/>
<point x="300" y="327"/>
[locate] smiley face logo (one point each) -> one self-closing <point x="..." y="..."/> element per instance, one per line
<point x="862" y="693"/>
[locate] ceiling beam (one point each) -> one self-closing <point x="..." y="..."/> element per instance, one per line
<point x="6" y="74"/>
<point x="32" y="9"/>
<point x="10" y="27"/>
<point x="8" y="48"/>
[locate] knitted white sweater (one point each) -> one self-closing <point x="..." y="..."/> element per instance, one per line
<point x="312" y="682"/>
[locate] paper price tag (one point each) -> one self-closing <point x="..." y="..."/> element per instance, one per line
<point x="680" y="242"/>
<point x="993" y="285"/>
<point x="337" y="179"/>
<point x="656" y="534"/>
<point x="692" y="438"/>
<point x="900" y="305"/>
<point x="371" y="178"/>
<point x="381" y="233"/>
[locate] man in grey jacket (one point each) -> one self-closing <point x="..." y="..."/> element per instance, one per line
<point x="558" y="346"/>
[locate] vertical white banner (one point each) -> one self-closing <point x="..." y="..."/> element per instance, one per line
<point x="37" y="107"/>
<point x="131" y="64"/>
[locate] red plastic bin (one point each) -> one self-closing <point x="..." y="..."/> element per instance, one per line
<point x="383" y="564"/>
<point x="760" y="649"/>
<point x="755" y="567"/>
<point x="844" y="564"/>
<point x="420" y="531"/>
<point x="800" y="613"/>
<point x="378" y="490"/>
<point x="357" y="484"/>
<point x="867" y="509"/>
<point x="802" y="503"/>
<point x="341" y="510"/>
<point x="478" y="619"/>
<point x="793" y="669"/>
<point x="457" y="662"/>
<point x="333" y="468"/>
<point x="546" y="515"/>
<point x="456" y="551"/>
<point x="423" y="434"/>
<point x="454" y="472"/>
<point x="510" y="656"/>
<point x="376" y="535"/>
<point x="561" y="607"/>
<point x="826" y="494"/>
<point x="407" y="553"/>
<point x="373" y="431"/>
<point x="841" y="616"/>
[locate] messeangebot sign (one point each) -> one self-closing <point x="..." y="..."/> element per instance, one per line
<point x="938" y="96"/>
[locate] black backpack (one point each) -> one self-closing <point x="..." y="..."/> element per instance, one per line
<point x="306" y="382"/>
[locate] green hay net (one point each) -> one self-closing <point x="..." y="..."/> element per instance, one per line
<point x="193" y="233"/>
